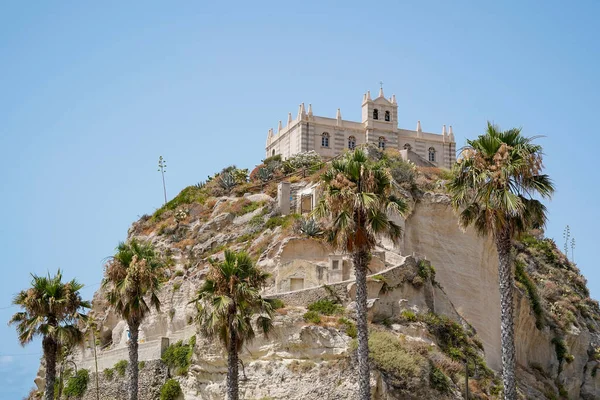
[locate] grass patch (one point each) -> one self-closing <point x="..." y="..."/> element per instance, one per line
<point x="280" y="220"/>
<point x="312" y="317"/>
<point x="189" y="195"/>
<point x="402" y="366"/>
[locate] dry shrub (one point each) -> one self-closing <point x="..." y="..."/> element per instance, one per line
<point x="301" y="367"/>
<point x="551" y="291"/>
<point x="210" y="203"/>
<point x="184" y="243"/>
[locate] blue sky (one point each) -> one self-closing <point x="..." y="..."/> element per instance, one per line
<point x="92" y="94"/>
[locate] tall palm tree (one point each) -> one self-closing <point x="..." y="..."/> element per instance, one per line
<point x="132" y="276"/>
<point x="228" y="303"/>
<point x="358" y="199"/>
<point x="493" y="186"/>
<point x="52" y="310"/>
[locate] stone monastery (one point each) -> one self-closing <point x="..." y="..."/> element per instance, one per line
<point x="330" y="137"/>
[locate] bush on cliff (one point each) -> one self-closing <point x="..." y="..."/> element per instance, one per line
<point x="77" y="384"/>
<point x="171" y="390"/>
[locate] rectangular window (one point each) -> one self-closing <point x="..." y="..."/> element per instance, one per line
<point x="296" y="284"/>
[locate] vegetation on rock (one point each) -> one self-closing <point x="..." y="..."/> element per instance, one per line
<point x="170" y="390"/>
<point x="77" y="384"/>
<point x="179" y="355"/>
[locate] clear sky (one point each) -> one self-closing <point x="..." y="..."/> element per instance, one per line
<point x="92" y="93"/>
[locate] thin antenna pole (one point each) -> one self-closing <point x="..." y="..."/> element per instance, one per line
<point x="162" y="167"/>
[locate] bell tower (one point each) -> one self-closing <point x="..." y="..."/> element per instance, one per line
<point x="380" y="113"/>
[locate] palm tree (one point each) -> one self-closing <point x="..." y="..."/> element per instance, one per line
<point x="493" y="185"/>
<point x="228" y="303"/>
<point x="52" y="310"/>
<point x="92" y="326"/>
<point x="133" y="275"/>
<point x="358" y="199"/>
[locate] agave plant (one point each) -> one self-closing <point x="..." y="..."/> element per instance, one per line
<point x="265" y="174"/>
<point x="309" y="227"/>
<point x="227" y="181"/>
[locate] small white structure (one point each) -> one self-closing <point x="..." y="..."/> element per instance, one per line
<point x="330" y="137"/>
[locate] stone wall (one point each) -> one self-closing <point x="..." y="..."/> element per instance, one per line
<point x="148" y="351"/>
<point x="151" y="378"/>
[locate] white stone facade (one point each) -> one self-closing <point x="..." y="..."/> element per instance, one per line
<point x="330" y="137"/>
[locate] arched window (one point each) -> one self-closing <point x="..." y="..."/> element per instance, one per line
<point x="407" y="146"/>
<point x="375" y="114"/>
<point x="431" y="154"/>
<point x="387" y="116"/>
<point x="325" y="139"/>
<point x="351" y="142"/>
<point x="273" y="152"/>
<point x="381" y="143"/>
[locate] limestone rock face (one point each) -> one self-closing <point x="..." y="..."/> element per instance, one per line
<point x="466" y="267"/>
<point x="467" y="270"/>
<point x="304" y="361"/>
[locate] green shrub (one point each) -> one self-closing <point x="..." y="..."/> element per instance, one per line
<point x="350" y="327"/>
<point x="276" y="304"/>
<point x="77" y="384"/>
<point x="426" y="270"/>
<point x="141" y="364"/>
<point x="121" y="367"/>
<point x="560" y="347"/>
<point x="178" y="273"/>
<point x="522" y="277"/>
<point x="312" y="316"/>
<point x="109" y="373"/>
<point x="179" y="355"/>
<point x="409" y="315"/>
<point x="326" y="307"/>
<point x="387" y="353"/>
<point x="439" y="380"/>
<point x="171" y="390"/>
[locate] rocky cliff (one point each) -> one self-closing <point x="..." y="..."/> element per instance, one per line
<point x="434" y="304"/>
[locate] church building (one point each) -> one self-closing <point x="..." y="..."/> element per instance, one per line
<point x="330" y="137"/>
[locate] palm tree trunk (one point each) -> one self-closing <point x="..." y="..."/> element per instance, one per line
<point x="361" y="262"/>
<point x="50" y="351"/>
<point x="134" y="328"/>
<point x="96" y="362"/>
<point x="232" y="366"/>
<point x="507" y="331"/>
